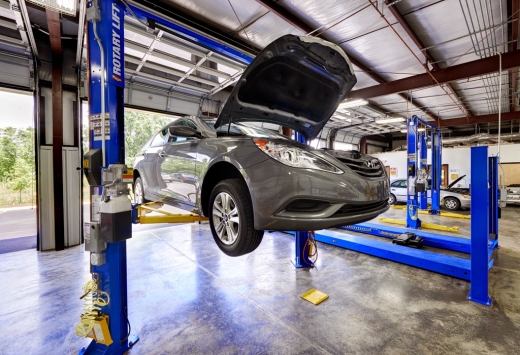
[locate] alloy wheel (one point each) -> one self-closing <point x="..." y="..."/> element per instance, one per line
<point x="138" y="192"/>
<point x="450" y="204"/>
<point x="225" y="218"/>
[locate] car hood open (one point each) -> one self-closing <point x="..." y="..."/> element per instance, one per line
<point x="456" y="181"/>
<point x="296" y="82"/>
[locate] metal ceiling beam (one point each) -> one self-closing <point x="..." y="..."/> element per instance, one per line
<point x="478" y="67"/>
<point x="404" y="24"/>
<point x="506" y="116"/>
<point x="289" y="17"/>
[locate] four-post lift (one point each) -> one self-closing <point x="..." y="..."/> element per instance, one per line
<point x="484" y="219"/>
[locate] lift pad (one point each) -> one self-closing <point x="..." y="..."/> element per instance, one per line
<point x="314" y="296"/>
<point x="423" y="225"/>
<point x="442" y="213"/>
<point x="140" y="214"/>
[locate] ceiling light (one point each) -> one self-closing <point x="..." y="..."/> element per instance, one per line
<point x="63" y="6"/>
<point x="352" y="103"/>
<point x="390" y="120"/>
<point x="339" y="117"/>
<point x="421" y="130"/>
<point x="404" y="131"/>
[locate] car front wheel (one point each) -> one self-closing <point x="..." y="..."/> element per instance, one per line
<point x="139" y="192"/>
<point x="231" y="218"/>
<point x="391" y="199"/>
<point x="451" y="203"/>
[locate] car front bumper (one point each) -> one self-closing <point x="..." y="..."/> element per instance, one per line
<point x="345" y="198"/>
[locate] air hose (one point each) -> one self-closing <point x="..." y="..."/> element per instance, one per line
<point x="411" y="213"/>
<point x="94" y="299"/>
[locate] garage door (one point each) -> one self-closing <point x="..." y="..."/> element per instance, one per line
<point x="15" y="71"/>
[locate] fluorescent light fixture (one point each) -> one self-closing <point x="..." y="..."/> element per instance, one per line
<point x="352" y="103"/>
<point x="390" y="120"/>
<point x="421" y="130"/>
<point x="404" y="131"/>
<point x="63" y="6"/>
<point x="339" y="117"/>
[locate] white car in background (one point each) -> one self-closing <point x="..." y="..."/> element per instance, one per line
<point x="453" y="198"/>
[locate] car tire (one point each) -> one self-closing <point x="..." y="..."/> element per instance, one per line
<point x="392" y="200"/>
<point x="231" y="218"/>
<point x="451" y="203"/>
<point x="139" y="191"/>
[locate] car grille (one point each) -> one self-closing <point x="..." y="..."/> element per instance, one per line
<point x="360" y="166"/>
<point x="351" y="209"/>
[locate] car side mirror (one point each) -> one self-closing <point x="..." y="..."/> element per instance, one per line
<point x="184" y="131"/>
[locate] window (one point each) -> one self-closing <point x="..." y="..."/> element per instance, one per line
<point x="159" y="139"/>
<point x="399" y="183"/>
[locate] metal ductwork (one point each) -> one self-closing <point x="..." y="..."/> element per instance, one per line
<point x="472" y="140"/>
<point x="479" y="138"/>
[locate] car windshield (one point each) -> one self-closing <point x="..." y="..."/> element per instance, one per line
<point x="242" y="129"/>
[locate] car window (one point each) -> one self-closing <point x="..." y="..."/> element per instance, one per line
<point x="240" y="129"/>
<point x="159" y="138"/>
<point x="399" y="183"/>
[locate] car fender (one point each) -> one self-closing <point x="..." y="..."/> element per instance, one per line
<point x="231" y="160"/>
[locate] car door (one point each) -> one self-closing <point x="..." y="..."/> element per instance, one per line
<point x="178" y="169"/>
<point x="148" y="166"/>
<point x="398" y="188"/>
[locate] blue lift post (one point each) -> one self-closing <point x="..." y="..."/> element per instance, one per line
<point x="412" y="203"/>
<point x="112" y="274"/>
<point x="482" y="176"/>
<point x="301" y="253"/>
<point x="436" y="161"/>
<point x="417" y="149"/>
<point x="423" y="165"/>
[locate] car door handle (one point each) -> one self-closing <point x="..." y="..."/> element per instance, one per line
<point x="161" y="154"/>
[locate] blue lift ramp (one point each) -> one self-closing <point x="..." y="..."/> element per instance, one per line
<point x="443" y="264"/>
<point x="442" y="241"/>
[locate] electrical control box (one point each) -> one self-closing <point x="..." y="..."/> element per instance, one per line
<point x="92" y="164"/>
<point x="93" y="241"/>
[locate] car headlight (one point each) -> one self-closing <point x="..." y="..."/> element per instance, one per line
<point x="295" y="157"/>
<point x="465" y="196"/>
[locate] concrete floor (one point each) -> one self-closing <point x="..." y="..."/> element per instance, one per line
<point x="186" y="297"/>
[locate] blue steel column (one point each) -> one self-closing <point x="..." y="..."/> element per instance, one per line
<point x="493" y="198"/>
<point x="301" y="257"/>
<point x="113" y="274"/>
<point x="412" y="215"/>
<point x="436" y="172"/>
<point x="423" y="164"/>
<point x="479" y="226"/>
